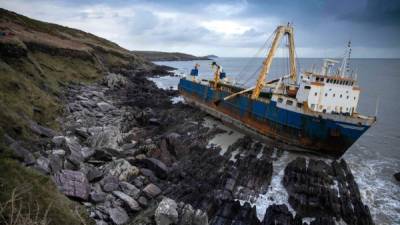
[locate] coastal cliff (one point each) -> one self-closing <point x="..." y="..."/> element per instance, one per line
<point x="169" y="56"/>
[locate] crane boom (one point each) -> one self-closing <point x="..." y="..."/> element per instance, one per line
<point x="279" y="33"/>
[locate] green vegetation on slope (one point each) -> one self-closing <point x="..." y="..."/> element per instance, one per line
<point x="37" y="61"/>
<point x="27" y="197"/>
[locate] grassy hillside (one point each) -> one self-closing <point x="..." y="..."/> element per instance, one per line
<point x="37" y="60"/>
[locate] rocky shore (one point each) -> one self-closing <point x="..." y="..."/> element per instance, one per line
<point x="130" y="156"/>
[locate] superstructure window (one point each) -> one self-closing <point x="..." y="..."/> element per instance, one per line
<point x="322" y="79"/>
<point x="299" y="105"/>
<point x="326" y="94"/>
<point x="340" y="96"/>
<point x="307" y="87"/>
<point x="280" y="100"/>
<point x="333" y="95"/>
<point x="289" y="102"/>
<point x="347" y="97"/>
<point x="315" y="94"/>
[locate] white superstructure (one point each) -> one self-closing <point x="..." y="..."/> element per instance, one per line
<point x="328" y="92"/>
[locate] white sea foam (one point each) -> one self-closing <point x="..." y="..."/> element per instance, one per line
<point x="276" y="193"/>
<point x="177" y="99"/>
<point x="308" y="220"/>
<point x="379" y="191"/>
<point x="373" y="173"/>
<point x="166" y="82"/>
<point x="222" y="140"/>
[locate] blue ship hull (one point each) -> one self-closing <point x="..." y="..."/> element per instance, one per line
<point x="316" y="132"/>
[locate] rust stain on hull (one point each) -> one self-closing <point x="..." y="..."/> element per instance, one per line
<point x="293" y="139"/>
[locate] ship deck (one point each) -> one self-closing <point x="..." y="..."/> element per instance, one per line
<point x="355" y="118"/>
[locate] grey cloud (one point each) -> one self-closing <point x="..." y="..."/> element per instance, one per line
<point x="141" y="21"/>
<point x="381" y="13"/>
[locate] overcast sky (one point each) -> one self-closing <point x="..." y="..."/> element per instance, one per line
<point x="229" y="28"/>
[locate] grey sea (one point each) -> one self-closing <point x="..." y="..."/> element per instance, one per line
<point x="373" y="159"/>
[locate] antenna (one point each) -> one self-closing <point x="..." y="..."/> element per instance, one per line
<point x="377" y="106"/>
<point x="348" y="57"/>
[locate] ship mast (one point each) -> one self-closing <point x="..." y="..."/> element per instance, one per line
<point x="279" y="33"/>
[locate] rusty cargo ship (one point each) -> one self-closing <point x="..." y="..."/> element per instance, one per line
<point x="311" y="111"/>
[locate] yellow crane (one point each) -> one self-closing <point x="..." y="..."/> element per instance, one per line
<point x="217" y="73"/>
<point x="279" y="33"/>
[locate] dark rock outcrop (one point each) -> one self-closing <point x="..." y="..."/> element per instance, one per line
<point x="320" y="189"/>
<point x="397" y="176"/>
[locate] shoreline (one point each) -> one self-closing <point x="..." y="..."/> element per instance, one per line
<point x="127" y="132"/>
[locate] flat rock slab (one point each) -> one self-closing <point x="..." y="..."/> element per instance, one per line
<point x="132" y="203"/>
<point x="72" y="183"/>
<point x="104" y="106"/>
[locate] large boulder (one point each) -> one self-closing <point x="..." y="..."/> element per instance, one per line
<point x="130" y="189"/>
<point x="22" y="153"/>
<point x="132" y="203"/>
<point x="43" y="164"/>
<point x="121" y="169"/>
<point x="113" y="80"/>
<point x="41" y="130"/>
<point x="118" y="215"/>
<point x="158" y="167"/>
<point x="92" y="173"/>
<point x="56" y="163"/>
<point x="110" y="183"/>
<point x="72" y="183"/>
<point x="105" y="137"/>
<point x="166" y="212"/>
<point x="98" y="197"/>
<point x="187" y="215"/>
<point x="75" y="151"/>
<point x="151" y="190"/>
<point x="200" y="218"/>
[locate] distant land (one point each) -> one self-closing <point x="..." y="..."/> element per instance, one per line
<point x="170" y="56"/>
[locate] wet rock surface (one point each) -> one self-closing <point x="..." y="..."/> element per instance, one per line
<point x="133" y="157"/>
<point x="320" y="189"/>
